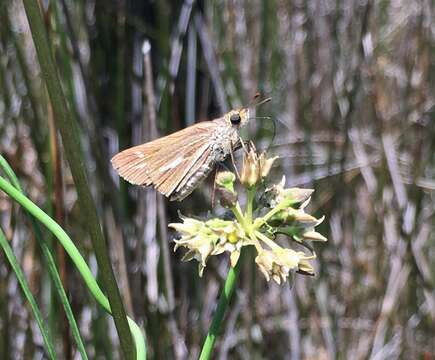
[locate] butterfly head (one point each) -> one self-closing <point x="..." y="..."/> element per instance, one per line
<point x="237" y="118"/>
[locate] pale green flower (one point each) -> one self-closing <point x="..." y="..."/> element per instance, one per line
<point x="277" y="193"/>
<point x="278" y="263"/>
<point x="212" y="237"/>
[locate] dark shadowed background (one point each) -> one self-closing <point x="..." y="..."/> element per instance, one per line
<point x="352" y="110"/>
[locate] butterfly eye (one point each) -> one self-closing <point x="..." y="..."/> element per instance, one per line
<point x="235" y="119"/>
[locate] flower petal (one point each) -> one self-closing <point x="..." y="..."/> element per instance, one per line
<point x="234" y="258"/>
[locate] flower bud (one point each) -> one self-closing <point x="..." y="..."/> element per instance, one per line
<point x="295" y="196"/>
<point x="314" y="236"/>
<point x="266" y="164"/>
<point x="290" y="216"/>
<point x="226" y="179"/>
<point x="227" y="198"/>
<point x="305" y="268"/>
<point x="255" y="168"/>
<point x="251" y="170"/>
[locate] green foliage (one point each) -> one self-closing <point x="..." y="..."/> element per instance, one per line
<point x="51" y="268"/>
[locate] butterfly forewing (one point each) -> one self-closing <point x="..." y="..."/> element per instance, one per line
<point x="170" y="162"/>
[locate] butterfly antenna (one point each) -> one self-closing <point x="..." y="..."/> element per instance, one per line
<point x="263" y="101"/>
<point x="253" y="100"/>
<point x="273" y="135"/>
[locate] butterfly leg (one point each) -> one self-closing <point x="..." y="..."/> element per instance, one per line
<point x="213" y="194"/>
<point x="244" y="144"/>
<point x="241" y="144"/>
<point x="234" y="163"/>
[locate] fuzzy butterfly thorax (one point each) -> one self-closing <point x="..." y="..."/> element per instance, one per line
<point x="176" y="164"/>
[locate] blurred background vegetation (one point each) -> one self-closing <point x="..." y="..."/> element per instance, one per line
<point x="353" y="103"/>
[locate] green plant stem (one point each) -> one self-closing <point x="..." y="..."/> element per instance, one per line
<point x="266" y="240"/>
<point x="258" y="223"/>
<point x="49" y="344"/>
<point x="222" y="305"/>
<point x="237" y="211"/>
<point x="70" y="139"/>
<point x="250" y="203"/>
<point x="77" y="259"/>
<point x="50" y="263"/>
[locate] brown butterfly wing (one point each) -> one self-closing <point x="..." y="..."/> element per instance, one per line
<point x="167" y="161"/>
<point x="194" y="176"/>
<point x="130" y="165"/>
<point x="167" y="173"/>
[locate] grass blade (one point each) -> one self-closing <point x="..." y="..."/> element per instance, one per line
<point x="71" y="142"/>
<point x="28" y="294"/>
<point x="76" y="257"/>
<point x="50" y="262"/>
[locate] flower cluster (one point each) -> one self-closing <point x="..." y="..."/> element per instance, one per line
<point x="212" y="237"/>
<point x="279" y="211"/>
<point x="293" y="220"/>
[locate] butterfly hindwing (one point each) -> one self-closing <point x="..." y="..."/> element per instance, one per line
<point x="194" y="176"/>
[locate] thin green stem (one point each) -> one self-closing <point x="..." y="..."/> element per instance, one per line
<point x="266" y="240"/>
<point x="255" y="241"/>
<point x="76" y="258"/>
<point x="50" y="263"/>
<point x="71" y="142"/>
<point x="281" y="206"/>
<point x="28" y="294"/>
<point x="237" y="211"/>
<point x="250" y="203"/>
<point x="223" y="303"/>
